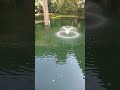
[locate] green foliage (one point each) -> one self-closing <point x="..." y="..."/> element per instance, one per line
<point x="73" y="7"/>
<point x="65" y="7"/>
<point x="51" y="6"/>
<point x="38" y="6"/>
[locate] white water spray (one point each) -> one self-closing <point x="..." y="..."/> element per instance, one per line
<point x="68" y="32"/>
<point x="67" y="29"/>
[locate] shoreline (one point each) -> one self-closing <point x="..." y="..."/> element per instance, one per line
<point x="39" y="17"/>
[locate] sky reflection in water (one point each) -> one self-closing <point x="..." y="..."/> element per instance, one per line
<point x="59" y="63"/>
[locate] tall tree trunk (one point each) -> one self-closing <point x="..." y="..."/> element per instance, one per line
<point x="46" y="12"/>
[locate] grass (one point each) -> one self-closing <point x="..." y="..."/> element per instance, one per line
<point x="63" y="16"/>
<point x="39" y="17"/>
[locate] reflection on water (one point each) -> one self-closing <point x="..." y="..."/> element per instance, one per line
<point x="101" y="48"/>
<point x="16" y="48"/>
<point x="59" y="63"/>
<point x="16" y="61"/>
<point x="94" y="23"/>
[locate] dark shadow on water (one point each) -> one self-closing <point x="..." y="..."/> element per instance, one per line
<point x="102" y="47"/>
<point x="16" y="45"/>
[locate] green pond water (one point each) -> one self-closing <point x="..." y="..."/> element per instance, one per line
<point x="59" y="62"/>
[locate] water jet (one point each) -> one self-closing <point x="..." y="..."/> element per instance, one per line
<point x="68" y="32"/>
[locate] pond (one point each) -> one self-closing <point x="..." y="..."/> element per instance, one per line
<point x="102" y="47"/>
<point x="59" y="62"/>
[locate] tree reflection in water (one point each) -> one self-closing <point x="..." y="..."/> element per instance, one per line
<point x="62" y="56"/>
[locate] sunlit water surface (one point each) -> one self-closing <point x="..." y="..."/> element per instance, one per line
<point x="59" y="62"/>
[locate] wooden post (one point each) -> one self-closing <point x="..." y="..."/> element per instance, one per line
<point x="46" y="12"/>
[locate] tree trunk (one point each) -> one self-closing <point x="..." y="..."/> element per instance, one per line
<point x="46" y="12"/>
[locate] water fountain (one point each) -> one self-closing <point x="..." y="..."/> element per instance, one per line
<point x="68" y="32"/>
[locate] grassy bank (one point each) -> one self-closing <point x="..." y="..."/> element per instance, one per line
<point x="39" y="18"/>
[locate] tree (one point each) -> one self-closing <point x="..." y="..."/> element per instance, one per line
<point x="66" y="7"/>
<point x="70" y="6"/>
